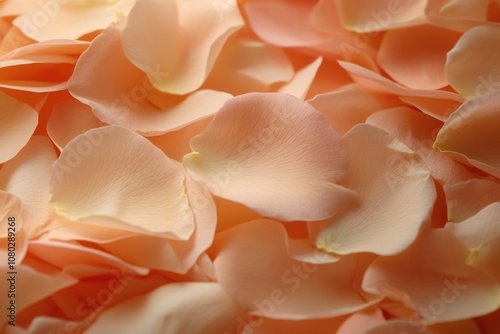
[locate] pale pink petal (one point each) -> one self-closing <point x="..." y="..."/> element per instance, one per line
<point x="70" y="119"/>
<point x="121" y="94"/>
<point x="17" y="123"/>
<point x="396" y="195"/>
<point x="131" y="186"/>
<point x="417" y="131"/>
<point x="195" y="308"/>
<point x="345" y="108"/>
<point x="376" y="82"/>
<point x="195" y="32"/>
<point x="45" y="21"/>
<point x="302" y="80"/>
<point x="467" y="198"/>
<point x="433" y="278"/>
<point x="247" y="65"/>
<point x="27" y="176"/>
<point x="415" y="56"/>
<point x="254" y="256"/>
<point x="471" y="134"/>
<point x="481" y="234"/>
<point x="375" y="15"/>
<point x="473" y="73"/>
<point x="273" y="153"/>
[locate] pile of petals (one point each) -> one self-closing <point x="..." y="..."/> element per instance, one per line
<point x="250" y="167"/>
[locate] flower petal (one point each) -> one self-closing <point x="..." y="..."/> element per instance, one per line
<point x="273" y="153"/>
<point x="396" y="197"/>
<point x="136" y="184"/>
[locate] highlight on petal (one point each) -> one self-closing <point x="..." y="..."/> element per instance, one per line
<point x="27" y="177"/>
<point x="273" y="153"/>
<point x="78" y="18"/>
<point x="18" y="121"/>
<point x="133" y="186"/>
<point x="196" y="308"/>
<point x="481" y="234"/>
<point x="471" y="134"/>
<point x="396" y="195"/>
<point x="376" y="15"/>
<point x="416" y="56"/>
<point x="473" y="73"/>
<point x="302" y="80"/>
<point x="195" y="32"/>
<point x="433" y="279"/>
<point x="254" y="255"/>
<point x="121" y="94"/>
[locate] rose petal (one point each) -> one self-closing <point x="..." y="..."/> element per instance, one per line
<point x="254" y="255"/>
<point x="275" y="154"/>
<point x="471" y="134"/>
<point x="474" y="73"/>
<point x="396" y="194"/>
<point x="17" y="123"/>
<point x="135" y="184"/>
<point x="214" y="313"/>
<point x="302" y="80"/>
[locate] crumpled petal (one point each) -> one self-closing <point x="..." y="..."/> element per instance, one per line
<point x="396" y="195"/>
<point x="375" y="15"/>
<point x="18" y="121"/>
<point x="133" y="185"/>
<point x="471" y="134"/>
<point x="254" y="255"/>
<point x="181" y="38"/>
<point x="78" y="18"/>
<point x="416" y="56"/>
<point x="27" y="177"/>
<point x="473" y="73"/>
<point x="197" y="308"/>
<point x="121" y="94"/>
<point x="273" y="153"/>
<point x="433" y="278"/>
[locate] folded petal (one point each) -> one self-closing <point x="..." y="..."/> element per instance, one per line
<point x="396" y="195"/>
<point x="254" y="255"/>
<point x="471" y="134"/>
<point x="415" y="56"/>
<point x="133" y="186"/>
<point x="302" y="80"/>
<point x="433" y="278"/>
<point x="194" y="36"/>
<point x="197" y="308"/>
<point x="273" y="153"/>
<point x="17" y="123"/>
<point x="474" y="73"/>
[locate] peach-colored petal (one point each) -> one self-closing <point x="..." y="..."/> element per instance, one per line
<point x="473" y="73"/>
<point x="11" y="214"/>
<point x="77" y="17"/>
<point x="135" y="184"/>
<point x="195" y="308"/>
<point x="361" y="322"/>
<point x="376" y="82"/>
<point x="345" y="108"/>
<point x="70" y="119"/>
<point x="490" y="323"/>
<point x="467" y="198"/>
<point x="121" y="94"/>
<point x="17" y="123"/>
<point x="471" y="9"/>
<point x="275" y="154"/>
<point x="417" y="131"/>
<point x="261" y="325"/>
<point x="302" y="80"/>
<point x="481" y="234"/>
<point x="415" y="56"/>
<point x="433" y="278"/>
<point x="13" y="39"/>
<point x="247" y="65"/>
<point x="471" y="134"/>
<point x="396" y="197"/>
<point x="376" y="15"/>
<point x="44" y="324"/>
<point x="195" y="32"/>
<point x="254" y="256"/>
<point x="27" y="176"/>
